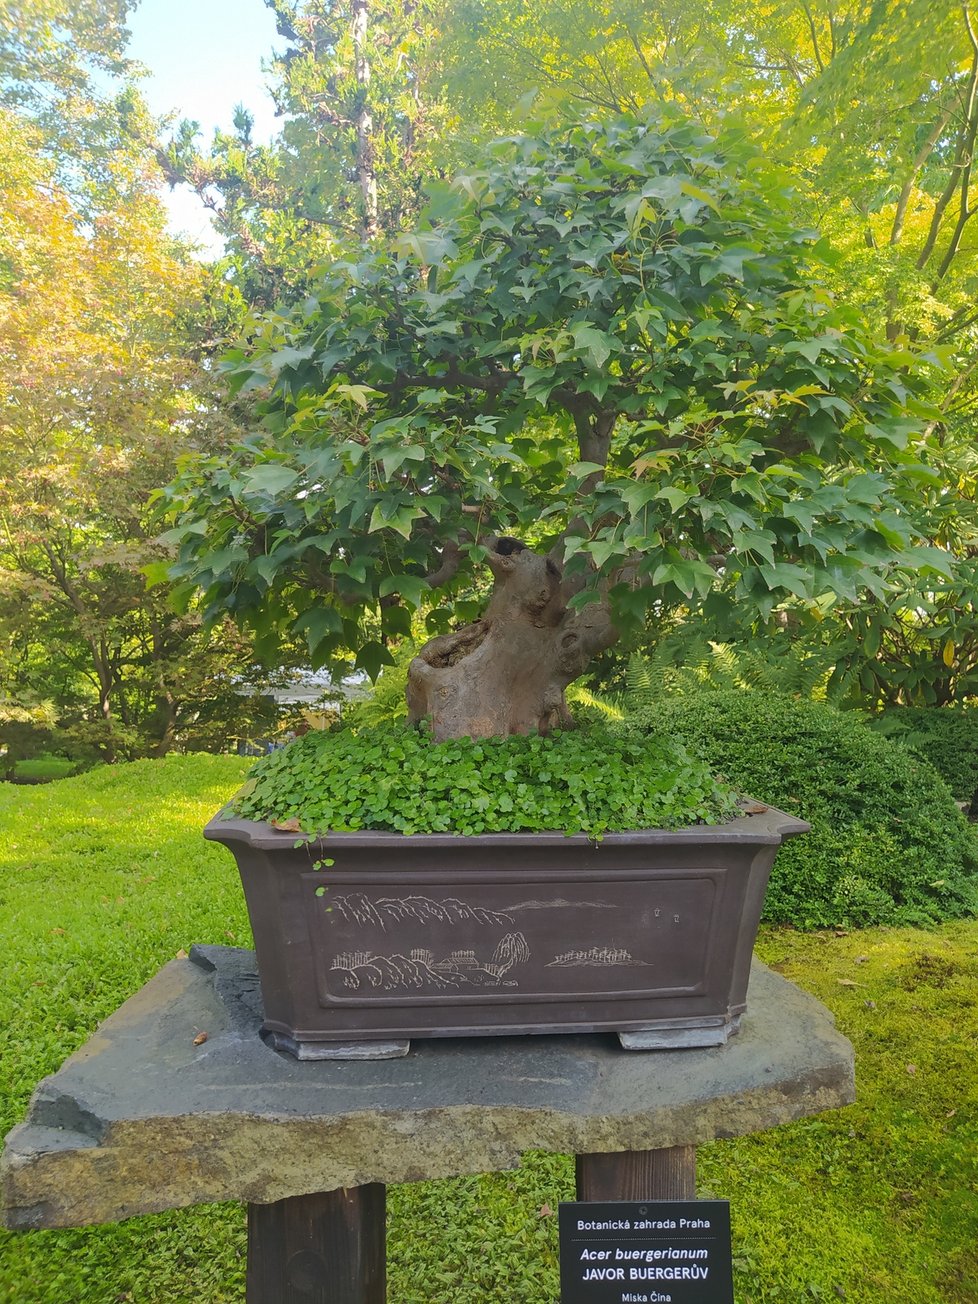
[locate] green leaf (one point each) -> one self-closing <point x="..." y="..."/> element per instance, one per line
<point x="372" y="657"/>
<point x="637" y="494"/>
<point x="697" y="192"/>
<point x="359" y="394"/>
<point x="290" y="356"/>
<point x="271" y="478"/>
<point x="156" y="573"/>
<point x="267" y="567"/>
<point x="785" y="575"/>
<point x="426" y="246"/>
<point x="585" y="598"/>
<point x="597" y="344"/>
<point x="896" y="432"/>
<point x="933" y="561"/>
<point x="395" y="458"/>
<point x="693" y="577"/>
<point x="602" y="550"/>
<point x="412" y="587"/>
<point x="317" y="624"/>
<point x="867" y="488"/>
<point x="399" y="518"/>
<point x="809" y="349"/>
<point x="674" y="496"/>
<point x="801" y="512"/>
<point x="395" y="621"/>
<point x="756" y="541"/>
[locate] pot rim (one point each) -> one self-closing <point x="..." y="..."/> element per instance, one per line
<point x="766" y="827"/>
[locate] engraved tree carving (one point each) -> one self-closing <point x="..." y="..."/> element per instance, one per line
<point x="511" y="951"/>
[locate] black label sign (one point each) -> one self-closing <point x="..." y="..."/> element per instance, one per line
<point x="646" y="1252"/>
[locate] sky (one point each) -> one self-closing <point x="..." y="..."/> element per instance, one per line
<point x="203" y="57"/>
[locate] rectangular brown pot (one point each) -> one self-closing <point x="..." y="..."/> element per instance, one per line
<point x="647" y="934"/>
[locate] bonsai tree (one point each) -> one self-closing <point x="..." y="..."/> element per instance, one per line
<point x="603" y="368"/>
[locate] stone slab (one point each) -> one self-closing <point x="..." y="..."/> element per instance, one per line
<point x="142" y="1119"/>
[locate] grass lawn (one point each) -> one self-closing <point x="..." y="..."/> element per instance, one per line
<point x="104" y="877"/>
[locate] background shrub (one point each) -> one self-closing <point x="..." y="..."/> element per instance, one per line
<point x="888" y="845"/>
<point x="947" y="736"/>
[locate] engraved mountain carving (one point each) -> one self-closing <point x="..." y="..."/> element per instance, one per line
<point x="359" y="909"/>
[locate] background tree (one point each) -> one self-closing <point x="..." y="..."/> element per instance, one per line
<point x="106" y="325"/>
<point x="610" y="342"/>
<point x="361" y="131"/>
<point x="64" y="70"/>
<point x="872" y="104"/>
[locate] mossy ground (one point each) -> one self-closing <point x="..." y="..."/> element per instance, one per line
<point x="104" y="877"/>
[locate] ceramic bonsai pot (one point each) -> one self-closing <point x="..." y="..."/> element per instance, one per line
<point x="646" y="934"/>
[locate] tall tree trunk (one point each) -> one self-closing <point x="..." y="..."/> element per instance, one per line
<point x="168" y="735"/>
<point x="166" y="704"/>
<point x="962" y="157"/>
<point x="366" y="171"/>
<point x="506" y="673"/>
<point x="106" y="683"/>
<point x="101" y="658"/>
<point x="894" y="327"/>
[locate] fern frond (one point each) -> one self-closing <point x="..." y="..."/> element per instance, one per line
<point x="577" y="693"/>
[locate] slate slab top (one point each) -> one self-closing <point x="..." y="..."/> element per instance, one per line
<point x="148" y="1115"/>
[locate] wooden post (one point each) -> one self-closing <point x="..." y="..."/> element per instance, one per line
<point x="329" y="1248"/>
<point x="638" y="1175"/>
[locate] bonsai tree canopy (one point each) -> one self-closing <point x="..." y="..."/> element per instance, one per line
<point x="604" y="367"/>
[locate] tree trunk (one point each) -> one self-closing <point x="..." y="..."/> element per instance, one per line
<point x="106" y="685"/>
<point x="168" y="735"/>
<point x="366" y="171"/>
<point x="506" y="673"/>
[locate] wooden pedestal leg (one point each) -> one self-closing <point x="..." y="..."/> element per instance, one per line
<point x="329" y="1248"/>
<point x="638" y="1175"/>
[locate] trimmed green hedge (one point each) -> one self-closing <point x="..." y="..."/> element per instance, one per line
<point x="947" y="736"/>
<point x="888" y="845"/>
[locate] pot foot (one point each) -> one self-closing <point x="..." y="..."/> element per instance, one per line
<point x="334" y="1050"/>
<point x="679" y="1038"/>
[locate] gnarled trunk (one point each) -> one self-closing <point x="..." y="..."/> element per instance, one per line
<point x="506" y="673"/>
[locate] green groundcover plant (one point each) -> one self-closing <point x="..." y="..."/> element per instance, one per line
<point x="392" y="778"/>
<point x="888" y="844"/>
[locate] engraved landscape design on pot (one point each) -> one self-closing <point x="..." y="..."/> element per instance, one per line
<point x="427" y="965"/>
<point x="421" y="943"/>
